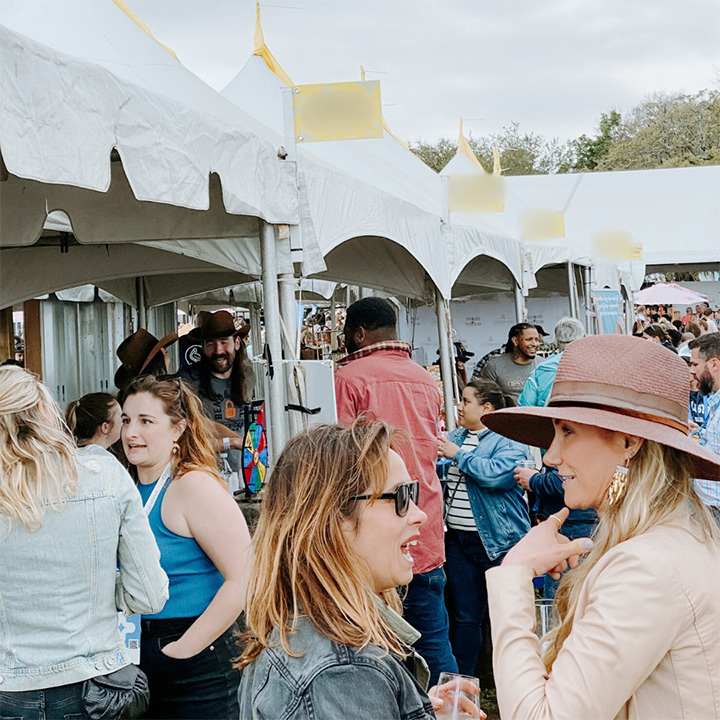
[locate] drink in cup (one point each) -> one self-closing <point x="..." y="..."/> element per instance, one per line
<point x="459" y="702"/>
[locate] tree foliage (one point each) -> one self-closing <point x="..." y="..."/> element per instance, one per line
<point x="661" y="132"/>
<point x="668" y="131"/>
<point x="521" y="153"/>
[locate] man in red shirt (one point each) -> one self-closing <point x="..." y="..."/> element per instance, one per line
<point x="379" y="380"/>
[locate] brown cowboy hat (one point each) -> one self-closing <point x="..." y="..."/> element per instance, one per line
<point x="220" y="324"/>
<point x="618" y="383"/>
<point x="135" y="353"/>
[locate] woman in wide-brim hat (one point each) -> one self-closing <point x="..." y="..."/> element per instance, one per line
<point x="639" y="632"/>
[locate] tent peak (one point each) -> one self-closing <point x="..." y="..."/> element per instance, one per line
<point x="262" y="50"/>
<point x="126" y="9"/>
<point x="465" y="149"/>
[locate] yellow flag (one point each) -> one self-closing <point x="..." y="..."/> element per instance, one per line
<point x="542" y="224"/>
<point x="337" y="111"/>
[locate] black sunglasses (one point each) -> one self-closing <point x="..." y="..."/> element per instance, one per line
<point x="402" y="495"/>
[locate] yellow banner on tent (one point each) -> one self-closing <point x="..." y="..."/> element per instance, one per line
<point x="542" y="224"/>
<point x="616" y="245"/>
<point x="476" y="193"/>
<point x="337" y="111"/>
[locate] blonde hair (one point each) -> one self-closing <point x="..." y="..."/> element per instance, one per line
<point x="304" y="564"/>
<point x="195" y="445"/>
<point x="659" y="483"/>
<point x="37" y="453"/>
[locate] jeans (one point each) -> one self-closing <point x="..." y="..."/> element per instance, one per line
<point x="466" y="563"/>
<point x="58" y="703"/>
<point x="424" y="608"/>
<point x="203" y="686"/>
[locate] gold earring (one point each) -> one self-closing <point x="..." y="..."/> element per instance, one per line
<point x="175" y="448"/>
<point x="618" y="482"/>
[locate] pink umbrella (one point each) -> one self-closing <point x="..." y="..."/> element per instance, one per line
<point x="668" y="294"/>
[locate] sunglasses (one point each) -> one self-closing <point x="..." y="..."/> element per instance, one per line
<point x="402" y="495"/>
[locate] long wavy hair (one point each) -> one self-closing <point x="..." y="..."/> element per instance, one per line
<point x="195" y="445"/>
<point x="304" y="564"/>
<point x="659" y="482"/>
<point x="37" y="453"/>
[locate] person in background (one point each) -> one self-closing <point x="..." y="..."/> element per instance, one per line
<point x="640" y="615"/>
<point x="223" y="382"/>
<point x="142" y="354"/>
<point x="655" y="333"/>
<point x="687" y="317"/>
<point x="380" y="380"/>
<point x="190" y="345"/>
<point x="187" y="648"/>
<point x="486" y="513"/>
<point x="94" y="421"/>
<point x="338" y="528"/>
<point x="537" y="388"/>
<point x="705" y="369"/>
<point x="75" y="546"/>
<point x="512" y="369"/>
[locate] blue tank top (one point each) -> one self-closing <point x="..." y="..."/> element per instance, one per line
<point x="194" y="579"/>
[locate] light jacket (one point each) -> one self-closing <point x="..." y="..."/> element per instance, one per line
<point x="59" y="585"/>
<point x="536" y="390"/>
<point x="645" y="642"/>
<point x="497" y="501"/>
<point x="330" y="681"/>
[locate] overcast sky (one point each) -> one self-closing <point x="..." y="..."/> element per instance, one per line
<point x="552" y="65"/>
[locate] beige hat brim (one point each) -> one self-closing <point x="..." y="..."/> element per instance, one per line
<point x="533" y="426"/>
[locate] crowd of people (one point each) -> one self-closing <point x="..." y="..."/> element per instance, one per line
<point x="382" y="543"/>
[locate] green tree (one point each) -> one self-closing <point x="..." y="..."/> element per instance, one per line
<point x="667" y="131"/>
<point x="589" y="151"/>
<point x="521" y="153"/>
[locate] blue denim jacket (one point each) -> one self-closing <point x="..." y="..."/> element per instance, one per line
<point x="328" y="681"/>
<point x="497" y="501"/>
<point x="59" y="585"/>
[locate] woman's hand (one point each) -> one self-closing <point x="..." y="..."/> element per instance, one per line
<point x="175" y="650"/>
<point x="446" y="448"/>
<point x="545" y="550"/>
<point x="443" y="698"/>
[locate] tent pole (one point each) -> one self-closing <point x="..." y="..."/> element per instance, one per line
<point x="288" y="284"/>
<point x="519" y="305"/>
<point x="571" y="290"/>
<point x="445" y="361"/>
<point x="276" y="384"/>
<point x="141" y="302"/>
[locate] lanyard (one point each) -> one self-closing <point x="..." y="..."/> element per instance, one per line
<point x="161" y="483"/>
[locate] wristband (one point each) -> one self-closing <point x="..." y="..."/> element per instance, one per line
<point x="226" y="443"/>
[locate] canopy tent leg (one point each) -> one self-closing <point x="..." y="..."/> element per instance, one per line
<point x="572" y="292"/>
<point x="273" y="343"/>
<point x="287" y="284"/>
<point x="446" y="360"/>
<point x="141" y="302"/>
<point x="520" y="309"/>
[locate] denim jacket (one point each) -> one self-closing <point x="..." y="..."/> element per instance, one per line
<point x="60" y="588"/>
<point x="497" y="501"/>
<point x="328" y="681"/>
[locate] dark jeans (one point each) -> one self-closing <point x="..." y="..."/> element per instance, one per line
<point x="58" y="703"/>
<point x="203" y="686"/>
<point x="424" y="608"/>
<point x="466" y="562"/>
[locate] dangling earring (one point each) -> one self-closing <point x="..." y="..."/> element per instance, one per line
<point x="618" y="482"/>
<point x="175" y="449"/>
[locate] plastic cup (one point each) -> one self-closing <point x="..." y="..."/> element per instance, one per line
<point x="458" y="704"/>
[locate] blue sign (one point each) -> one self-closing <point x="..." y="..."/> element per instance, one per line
<point x="610" y="312"/>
